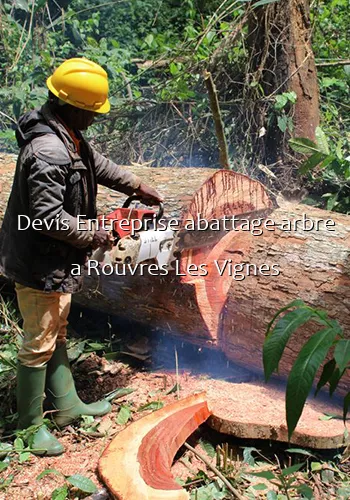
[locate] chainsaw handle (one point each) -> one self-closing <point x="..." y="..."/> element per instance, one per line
<point x="137" y="197"/>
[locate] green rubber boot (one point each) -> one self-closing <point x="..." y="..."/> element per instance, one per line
<point x="61" y="393"/>
<point x="30" y="396"/>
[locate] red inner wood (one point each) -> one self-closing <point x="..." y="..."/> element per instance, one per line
<point x="159" y="446"/>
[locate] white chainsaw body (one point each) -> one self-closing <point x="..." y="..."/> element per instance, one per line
<point x="151" y="245"/>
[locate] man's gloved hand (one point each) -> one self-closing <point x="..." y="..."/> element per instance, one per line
<point x="150" y="196"/>
<point x="102" y="238"/>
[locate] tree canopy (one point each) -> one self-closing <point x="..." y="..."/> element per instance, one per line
<point x="155" y="53"/>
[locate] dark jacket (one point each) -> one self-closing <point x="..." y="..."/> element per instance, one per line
<point x="53" y="183"/>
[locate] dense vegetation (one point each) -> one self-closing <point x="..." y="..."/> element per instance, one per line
<point x="155" y="52"/>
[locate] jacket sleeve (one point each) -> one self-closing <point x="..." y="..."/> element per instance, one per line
<point x="111" y="175"/>
<point x="46" y="190"/>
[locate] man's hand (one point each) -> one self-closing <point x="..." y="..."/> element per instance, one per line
<point x="102" y="238"/>
<point x="150" y="196"/>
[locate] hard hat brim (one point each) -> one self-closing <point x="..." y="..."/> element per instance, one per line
<point x="106" y="106"/>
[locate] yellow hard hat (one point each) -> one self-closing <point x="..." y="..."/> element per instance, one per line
<point x="81" y="83"/>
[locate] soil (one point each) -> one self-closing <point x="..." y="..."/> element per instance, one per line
<point x="96" y="376"/>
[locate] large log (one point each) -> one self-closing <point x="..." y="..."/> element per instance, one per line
<point x="231" y="312"/>
<point x="221" y="311"/>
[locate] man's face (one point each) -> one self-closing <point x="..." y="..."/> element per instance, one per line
<point x="81" y="119"/>
<point x="76" y="118"/>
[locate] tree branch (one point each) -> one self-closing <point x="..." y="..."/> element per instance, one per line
<point x="216" y="471"/>
<point x="339" y="62"/>
<point x="219" y="126"/>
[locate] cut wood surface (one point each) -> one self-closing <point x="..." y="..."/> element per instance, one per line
<point x="254" y="409"/>
<point x="225" y="312"/>
<point x="136" y="464"/>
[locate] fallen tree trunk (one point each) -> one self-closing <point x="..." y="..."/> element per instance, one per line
<point x="230" y="310"/>
<point x="223" y="311"/>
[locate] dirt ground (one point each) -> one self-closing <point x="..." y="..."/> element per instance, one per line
<point x="96" y="376"/>
<point x="83" y="451"/>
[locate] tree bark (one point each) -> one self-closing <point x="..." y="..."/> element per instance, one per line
<point x="227" y="312"/>
<point x="282" y="60"/>
<point x="220" y="311"/>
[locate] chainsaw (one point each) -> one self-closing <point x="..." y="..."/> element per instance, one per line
<point x="140" y="235"/>
<point x="136" y="237"/>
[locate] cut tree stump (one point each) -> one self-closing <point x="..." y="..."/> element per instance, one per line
<point x="136" y="464"/>
<point x="254" y="409"/>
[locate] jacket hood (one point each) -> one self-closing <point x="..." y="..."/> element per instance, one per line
<point x="30" y="125"/>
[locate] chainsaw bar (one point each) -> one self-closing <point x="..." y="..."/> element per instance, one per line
<point x="192" y="239"/>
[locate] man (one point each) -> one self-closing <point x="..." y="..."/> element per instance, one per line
<point x="56" y="180"/>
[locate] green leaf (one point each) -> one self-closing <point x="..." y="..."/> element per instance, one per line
<point x="3" y="466"/>
<point x="174" y="70"/>
<point x="326" y="416"/>
<point x="316" y="466"/>
<point x="294" y="303"/>
<point x="18" y="444"/>
<point x="306" y="491"/>
<point x="343" y="493"/>
<point x="332" y="201"/>
<point x="259" y="3"/>
<point x="92" y="42"/>
<point x="60" y="493"/>
<point x="207" y="447"/>
<point x="119" y="393"/>
<point x="334" y="380"/>
<point x="346" y="405"/>
<point x="5" y="449"/>
<point x="277" y="340"/>
<point x="267" y="474"/>
<point x="7" y="361"/>
<point x="248" y="457"/>
<point x="311" y="162"/>
<point x="149" y="39"/>
<point x="271" y="495"/>
<point x="292" y="469"/>
<point x="303" y="145"/>
<point x="326" y="374"/>
<point x="208" y="492"/>
<point x="281" y="101"/>
<point x="342" y="354"/>
<point x="75" y="351"/>
<point x="174" y="389"/>
<point x="282" y="122"/>
<point x="124" y="415"/>
<point x="21" y="4"/>
<point x="82" y="483"/>
<point x="260" y="486"/>
<point x="97" y="346"/>
<point x="322" y="141"/>
<point x="291" y="96"/>
<point x="329" y="159"/>
<point x="48" y="471"/>
<point x="300" y="451"/>
<point x="23" y="457"/>
<point x="153" y="405"/>
<point x="303" y="372"/>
